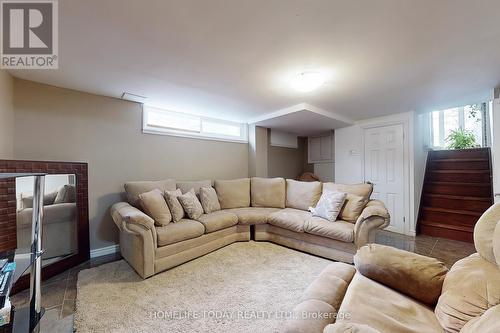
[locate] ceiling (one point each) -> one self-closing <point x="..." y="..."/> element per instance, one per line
<point x="233" y="59"/>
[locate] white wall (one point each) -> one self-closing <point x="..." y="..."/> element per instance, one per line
<point x="349" y="158"/>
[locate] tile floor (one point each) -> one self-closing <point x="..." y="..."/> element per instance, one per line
<point x="59" y="292"/>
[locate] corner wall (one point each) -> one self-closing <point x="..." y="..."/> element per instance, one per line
<point x="6" y="115"/>
<point x="66" y="125"/>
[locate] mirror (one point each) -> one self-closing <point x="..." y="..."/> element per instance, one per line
<point x="60" y="225"/>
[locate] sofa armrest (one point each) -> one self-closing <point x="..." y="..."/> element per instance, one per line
<point x="412" y="274"/>
<point x="138" y="239"/>
<point x="374" y="216"/>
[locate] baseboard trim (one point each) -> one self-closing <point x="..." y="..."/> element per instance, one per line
<point x="104" y="251"/>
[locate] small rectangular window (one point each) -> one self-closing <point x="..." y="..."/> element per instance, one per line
<point x="158" y="121"/>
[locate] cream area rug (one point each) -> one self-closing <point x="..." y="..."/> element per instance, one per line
<point x="243" y="287"/>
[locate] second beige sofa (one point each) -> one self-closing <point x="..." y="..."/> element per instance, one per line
<point x="277" y="208"/>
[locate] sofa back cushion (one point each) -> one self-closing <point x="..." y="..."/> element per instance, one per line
<point x="470" y="288"/>
<point x="302" y="195"/>
<point x="357" y="197"/>
<point x="185" y="186"/>
<point x="133" y="189"/>
<point x="268" y="192"/>
<point x="233" y="193"/>
<point x="154" y="204"/>
<point x="209" y="200"/>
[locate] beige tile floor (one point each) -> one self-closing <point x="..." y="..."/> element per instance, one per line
<point x="59" y="292"/>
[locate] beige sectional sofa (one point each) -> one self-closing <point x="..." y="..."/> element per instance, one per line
<point x="268" y="209"/>
<point x="390" y="290"/>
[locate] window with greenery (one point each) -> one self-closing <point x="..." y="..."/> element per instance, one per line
<point x="461" y="127"/>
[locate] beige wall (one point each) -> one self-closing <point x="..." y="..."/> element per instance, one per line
<point x="6" y="115"/>
<point x="257" y="151"/>
<point x="288" y="162"/>
<point x="65" y="125"/>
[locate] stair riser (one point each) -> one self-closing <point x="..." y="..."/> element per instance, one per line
<point x="460" y="177"/>
<point x="458" y="165"/>
<point x="470" y="191"/>
<point x="449" y="218"/>
<point x="461" y="204"/>
<point x="476" y="153"/>
<point x="447" y="233"/>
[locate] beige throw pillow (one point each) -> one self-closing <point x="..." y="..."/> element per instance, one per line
<point x="353" y="207"/>
<point x="209" y="200"/>
<point x="191" y="204"/>
<point x="174" y="205"/>
<point x="155" y="206"/>
<point x="329" y="205"/>
<point x="65" y="194"/>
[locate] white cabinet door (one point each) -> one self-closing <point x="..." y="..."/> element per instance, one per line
<point x="314" y="149"/>
<point x="384" y="167"/>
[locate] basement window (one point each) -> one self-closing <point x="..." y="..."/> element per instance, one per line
<point x="473" y="118"/>
<point x="164" y="122"/>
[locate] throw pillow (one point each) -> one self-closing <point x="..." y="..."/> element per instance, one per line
<point x="191" y="204"/>
<point x="65" y="194"/>
<point x="353" y="207"/>
<point x="174" y="205"/>
<point x="155" y="206"/>
<point x="329" y="205"/>
<point x="209" y="200"/>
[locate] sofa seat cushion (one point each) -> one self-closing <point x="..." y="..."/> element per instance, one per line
<point x="290" y="218"/>
<point x="331" y="285"/>
<point x="339" y="230"/>
<point x="218" y="220"/>
<point x="252" y="215"/>
<point x="179" y="231"/>
<point x="470" y="288"/>
<point x="369" y="303"/>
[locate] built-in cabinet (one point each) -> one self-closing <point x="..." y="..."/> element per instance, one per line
<point x="321" y="149"/>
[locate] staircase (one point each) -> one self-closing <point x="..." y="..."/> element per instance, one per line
<point x="457" y="190"/>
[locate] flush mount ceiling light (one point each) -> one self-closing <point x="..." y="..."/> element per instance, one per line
<point x="307" y="81"/>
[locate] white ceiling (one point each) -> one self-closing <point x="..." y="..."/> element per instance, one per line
<point x="232" y="59"/>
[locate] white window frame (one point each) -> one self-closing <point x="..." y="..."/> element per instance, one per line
<point x="148" y="129"/>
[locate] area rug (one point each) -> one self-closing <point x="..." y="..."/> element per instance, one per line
<point x="243" y="287"/>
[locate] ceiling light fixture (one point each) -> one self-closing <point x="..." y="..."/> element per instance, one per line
<point x="307" y="81"/>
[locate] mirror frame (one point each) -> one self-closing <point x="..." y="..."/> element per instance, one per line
<point x="8" y="212"/>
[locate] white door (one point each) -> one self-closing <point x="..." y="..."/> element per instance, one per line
<point x="495" y="133"/>
<point x="384" y="167"/>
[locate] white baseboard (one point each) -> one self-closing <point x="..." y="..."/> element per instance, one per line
<point x="104" y="251"/>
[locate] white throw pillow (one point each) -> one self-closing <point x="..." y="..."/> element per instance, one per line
<point x="329" y="205"/>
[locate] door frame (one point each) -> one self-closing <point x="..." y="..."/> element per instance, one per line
<point x="407" y="120"/>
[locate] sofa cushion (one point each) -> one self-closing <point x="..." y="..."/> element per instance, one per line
<point x="65" y="194"/>
<point x="27" y="199"/>
<point x="290" y="218"/>
<point x="154" y="205"/>
<point x="310" y="316"/>
<point x="488" y="323"/>
<point x="233" y="193"/>
<point x="330" y="286"/>
<point x="253" y="215"/>
<point x="487" y="235"/>
<point x="470" y="288"/>
<point x="384" y="309"/>
<point x="174" y="205"/>
<point x="178" y="232"/>
<point x="414" y="275"/>
<point x="268" y="192"/>
<point x="302" y="195"/>
<point x="209" y="200"/>
<point x="356" y="200"/>
<point x="133" y="189"/>
<point x="191" y="204"/>
<point x="185" y="186"/>
<point x="218" y="220"/>
<point x="329" y="205"/>
<point x="339" y="230"/>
